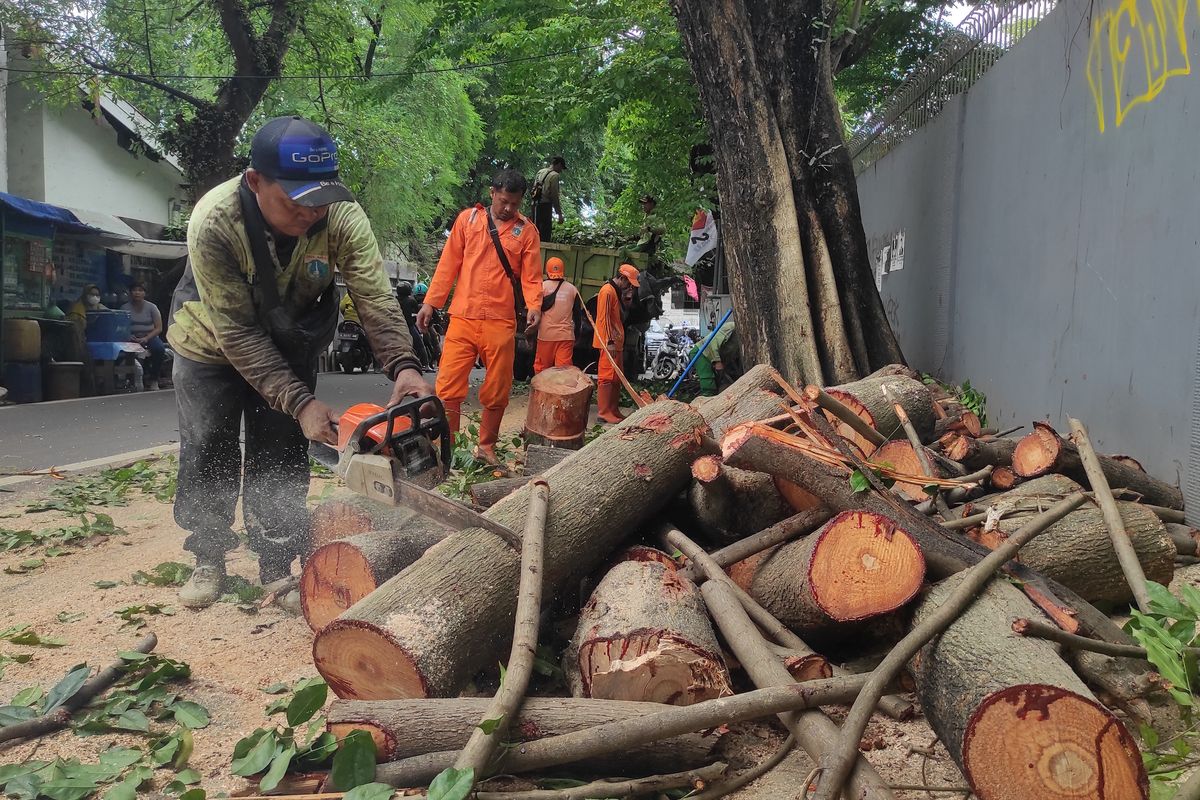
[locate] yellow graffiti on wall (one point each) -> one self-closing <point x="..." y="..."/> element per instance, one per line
<point x="1134" y="50"/>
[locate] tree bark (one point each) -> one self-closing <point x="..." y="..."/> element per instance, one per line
<point x="539" y="458"/>
<point x="644" y="635"/>
<point x="912" y="395"/>
<point x="1044" y="451"/>
<point x="859" y="565"/>
<point x="339" y="574"/>
<point x="558" y="408"/>
<point x="406" y="638"/>
<point x="1013" y="715"/>
<point x="405" y="728"/>
<point x="750" y="398"/>
<point x="727" y="504"/>
<point x="486" y="494"/>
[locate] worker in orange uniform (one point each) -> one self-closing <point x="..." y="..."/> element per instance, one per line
<point x="610" y="336"/>
<point x="556" y="333"/>
<point x="491" y="251"/>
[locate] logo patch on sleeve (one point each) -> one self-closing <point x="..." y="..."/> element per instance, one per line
<point x="317" y="267"/>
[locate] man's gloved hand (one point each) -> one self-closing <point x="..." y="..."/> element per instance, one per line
<point x="318" y="422"/>
<point x="410" y="383"/>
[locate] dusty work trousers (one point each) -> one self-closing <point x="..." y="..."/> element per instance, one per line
<point x="553" y="354"/>
<point x="491" y="340"/>
<point x="214" y="400"/>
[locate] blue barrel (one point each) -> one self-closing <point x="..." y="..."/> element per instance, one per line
<point x="23" y="379"/>
<point x="109" y="326"/>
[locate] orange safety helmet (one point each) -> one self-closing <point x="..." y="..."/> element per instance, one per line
<point x="630" y="272"/>
<point x="554" y="267"/>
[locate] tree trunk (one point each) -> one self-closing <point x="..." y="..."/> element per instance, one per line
<point x="1013" y="715"/>
<point x="539" y="458"/>
<point x="727" y="504"/>
<point x="1077" y="551"/>
<point x="859" y="565"/>
<point x="404" y="728"/>
<point x="644" y="635"/>
<point x="1044" y="451"/>
<point x="867" y="395"/>
<point x="348" y="514"/>
<point x="406" y="639"/>
<point x="752" y="397"/>
<point x="802" y="284"/>
<point x="339" y="574"/>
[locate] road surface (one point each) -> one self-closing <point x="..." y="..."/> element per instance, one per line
<point x="41" y="435"/>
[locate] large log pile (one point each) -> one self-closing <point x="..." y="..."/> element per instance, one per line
<point x="707" y="564"/>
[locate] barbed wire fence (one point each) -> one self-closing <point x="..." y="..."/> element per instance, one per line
<point x="988" y="32"/>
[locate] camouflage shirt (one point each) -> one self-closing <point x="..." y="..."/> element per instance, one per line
<point x="215" y="316"/>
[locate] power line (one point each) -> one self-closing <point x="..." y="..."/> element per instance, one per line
<point x="313" y="77"/>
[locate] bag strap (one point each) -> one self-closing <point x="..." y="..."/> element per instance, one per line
<point x="561" y="281"/>
<point x="495" y="234"/>
<point x="260" y="251"/>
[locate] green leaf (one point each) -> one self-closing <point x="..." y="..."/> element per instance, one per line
<point x="32" y="639"/>
<point x="1164" y="603"/>
<point x="354" y="762"/>
<point x="489" y="726"/>
<point x="370" y="791"/>
<point x="106" y="584"/>
<point x="121" y="757"/>
<point x="318" y="751"/>
<point x="279" y="768"/>
<point x="307" y="701"/>
<point x="194" y="794"/>
<point x="190" y="715"/>
<point x="66" y="688"/>
<point x="259" y="756"/>
<point x="11" y="715"/>
<point x="28" y="696"/>
<point x="452" y="784"/>
<point x="186" y="744"/>
<point x="276" y="688"/>
<point x="133" y="720"/>
<point x="859" y="482"/>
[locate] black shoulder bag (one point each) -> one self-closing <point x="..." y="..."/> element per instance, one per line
<point x="299" y="340"/>
<point x="548" y="300"/>
<point x="518" y="296"/>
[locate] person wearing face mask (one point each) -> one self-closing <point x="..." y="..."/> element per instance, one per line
<point x="492" y="261"/>
<point x="89" y="300"/>
<point x="255" y="307"/>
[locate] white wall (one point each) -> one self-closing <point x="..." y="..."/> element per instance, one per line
<point x="86" y="168"/>
<point x="23" y="132"/>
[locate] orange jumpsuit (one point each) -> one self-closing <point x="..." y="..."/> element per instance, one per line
<point x="482" y="318"/>
<point x="556" y="333"/>
<point x="610" y="332"/>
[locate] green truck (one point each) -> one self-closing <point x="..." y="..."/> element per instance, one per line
<point x="589" y="267"/>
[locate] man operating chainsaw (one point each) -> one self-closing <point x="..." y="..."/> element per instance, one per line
<point x="255" y="307"/>
<point x="492" y="260"/>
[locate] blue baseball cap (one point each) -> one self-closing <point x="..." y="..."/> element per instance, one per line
<point x="301" y="156"/>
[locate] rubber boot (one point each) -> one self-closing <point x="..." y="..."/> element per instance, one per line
<point x="204" y="587"/>
<point x="607" y="409"/>
<point x="489" y="434"/>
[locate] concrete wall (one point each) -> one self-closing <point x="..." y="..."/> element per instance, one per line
<point x="1051" y="236"/>
<point x="66" y="157"/>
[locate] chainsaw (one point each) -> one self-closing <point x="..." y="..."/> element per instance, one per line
<point x="397" y="455"/>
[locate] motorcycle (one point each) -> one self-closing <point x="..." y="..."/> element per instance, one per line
<point x="353" y="350"/>
<point x="672" y="356"/>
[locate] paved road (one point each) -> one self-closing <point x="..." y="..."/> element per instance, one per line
<point x="41" y="435"/>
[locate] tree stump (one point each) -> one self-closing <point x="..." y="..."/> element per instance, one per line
<point x="339" y="574"/>
<point x="857" y="566"/>
<point x="865" y="398"/>
<point x="404" y="728"/>
<point x="1044" y="451"/>
<point x="645" y="635"/>
<point x="1013" y="715"/>
<point x="349" y="514"/>
<point x="409" y="637"/>
<point x="1077" y="551"/>
<point x="559" y="398"/>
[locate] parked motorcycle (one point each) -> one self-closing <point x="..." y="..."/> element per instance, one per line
<point x="353" y="349"/>
<point x="672" y="356"/>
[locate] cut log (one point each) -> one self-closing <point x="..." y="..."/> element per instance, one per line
<point x="795" y="526"/>
<point x="644" y="635"/>
<point x="539" y="458"/>
<point x="339" y="574"/>
<point x="1044" y="451"/>
<point x="899" y="455"/>
<point x="866" y="396"/>
<point x="406" y="639"/>
<point x="726" y="503"/>
<point x="752" y="397"/>
<point x="1128" y="460"/>
<point x="349" y="514"/>
<point x="405" y="728"/>
<point x="961" y="421"/>
<point x="978" y="453"/>
<point x="558" y="408"/>
<point x="1076" y="551"/>
<point x="1004" y="478"/>
<point x="1011" y="712"/>
<point x="857" y="566"/>
<point x="1185" y="537"/>
<point x="797" y="497"/>
<point x="644" y="552"/>
<point x="486" y="494"/>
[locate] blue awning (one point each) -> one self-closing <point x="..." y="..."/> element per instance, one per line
<point x="42" y="219"/>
